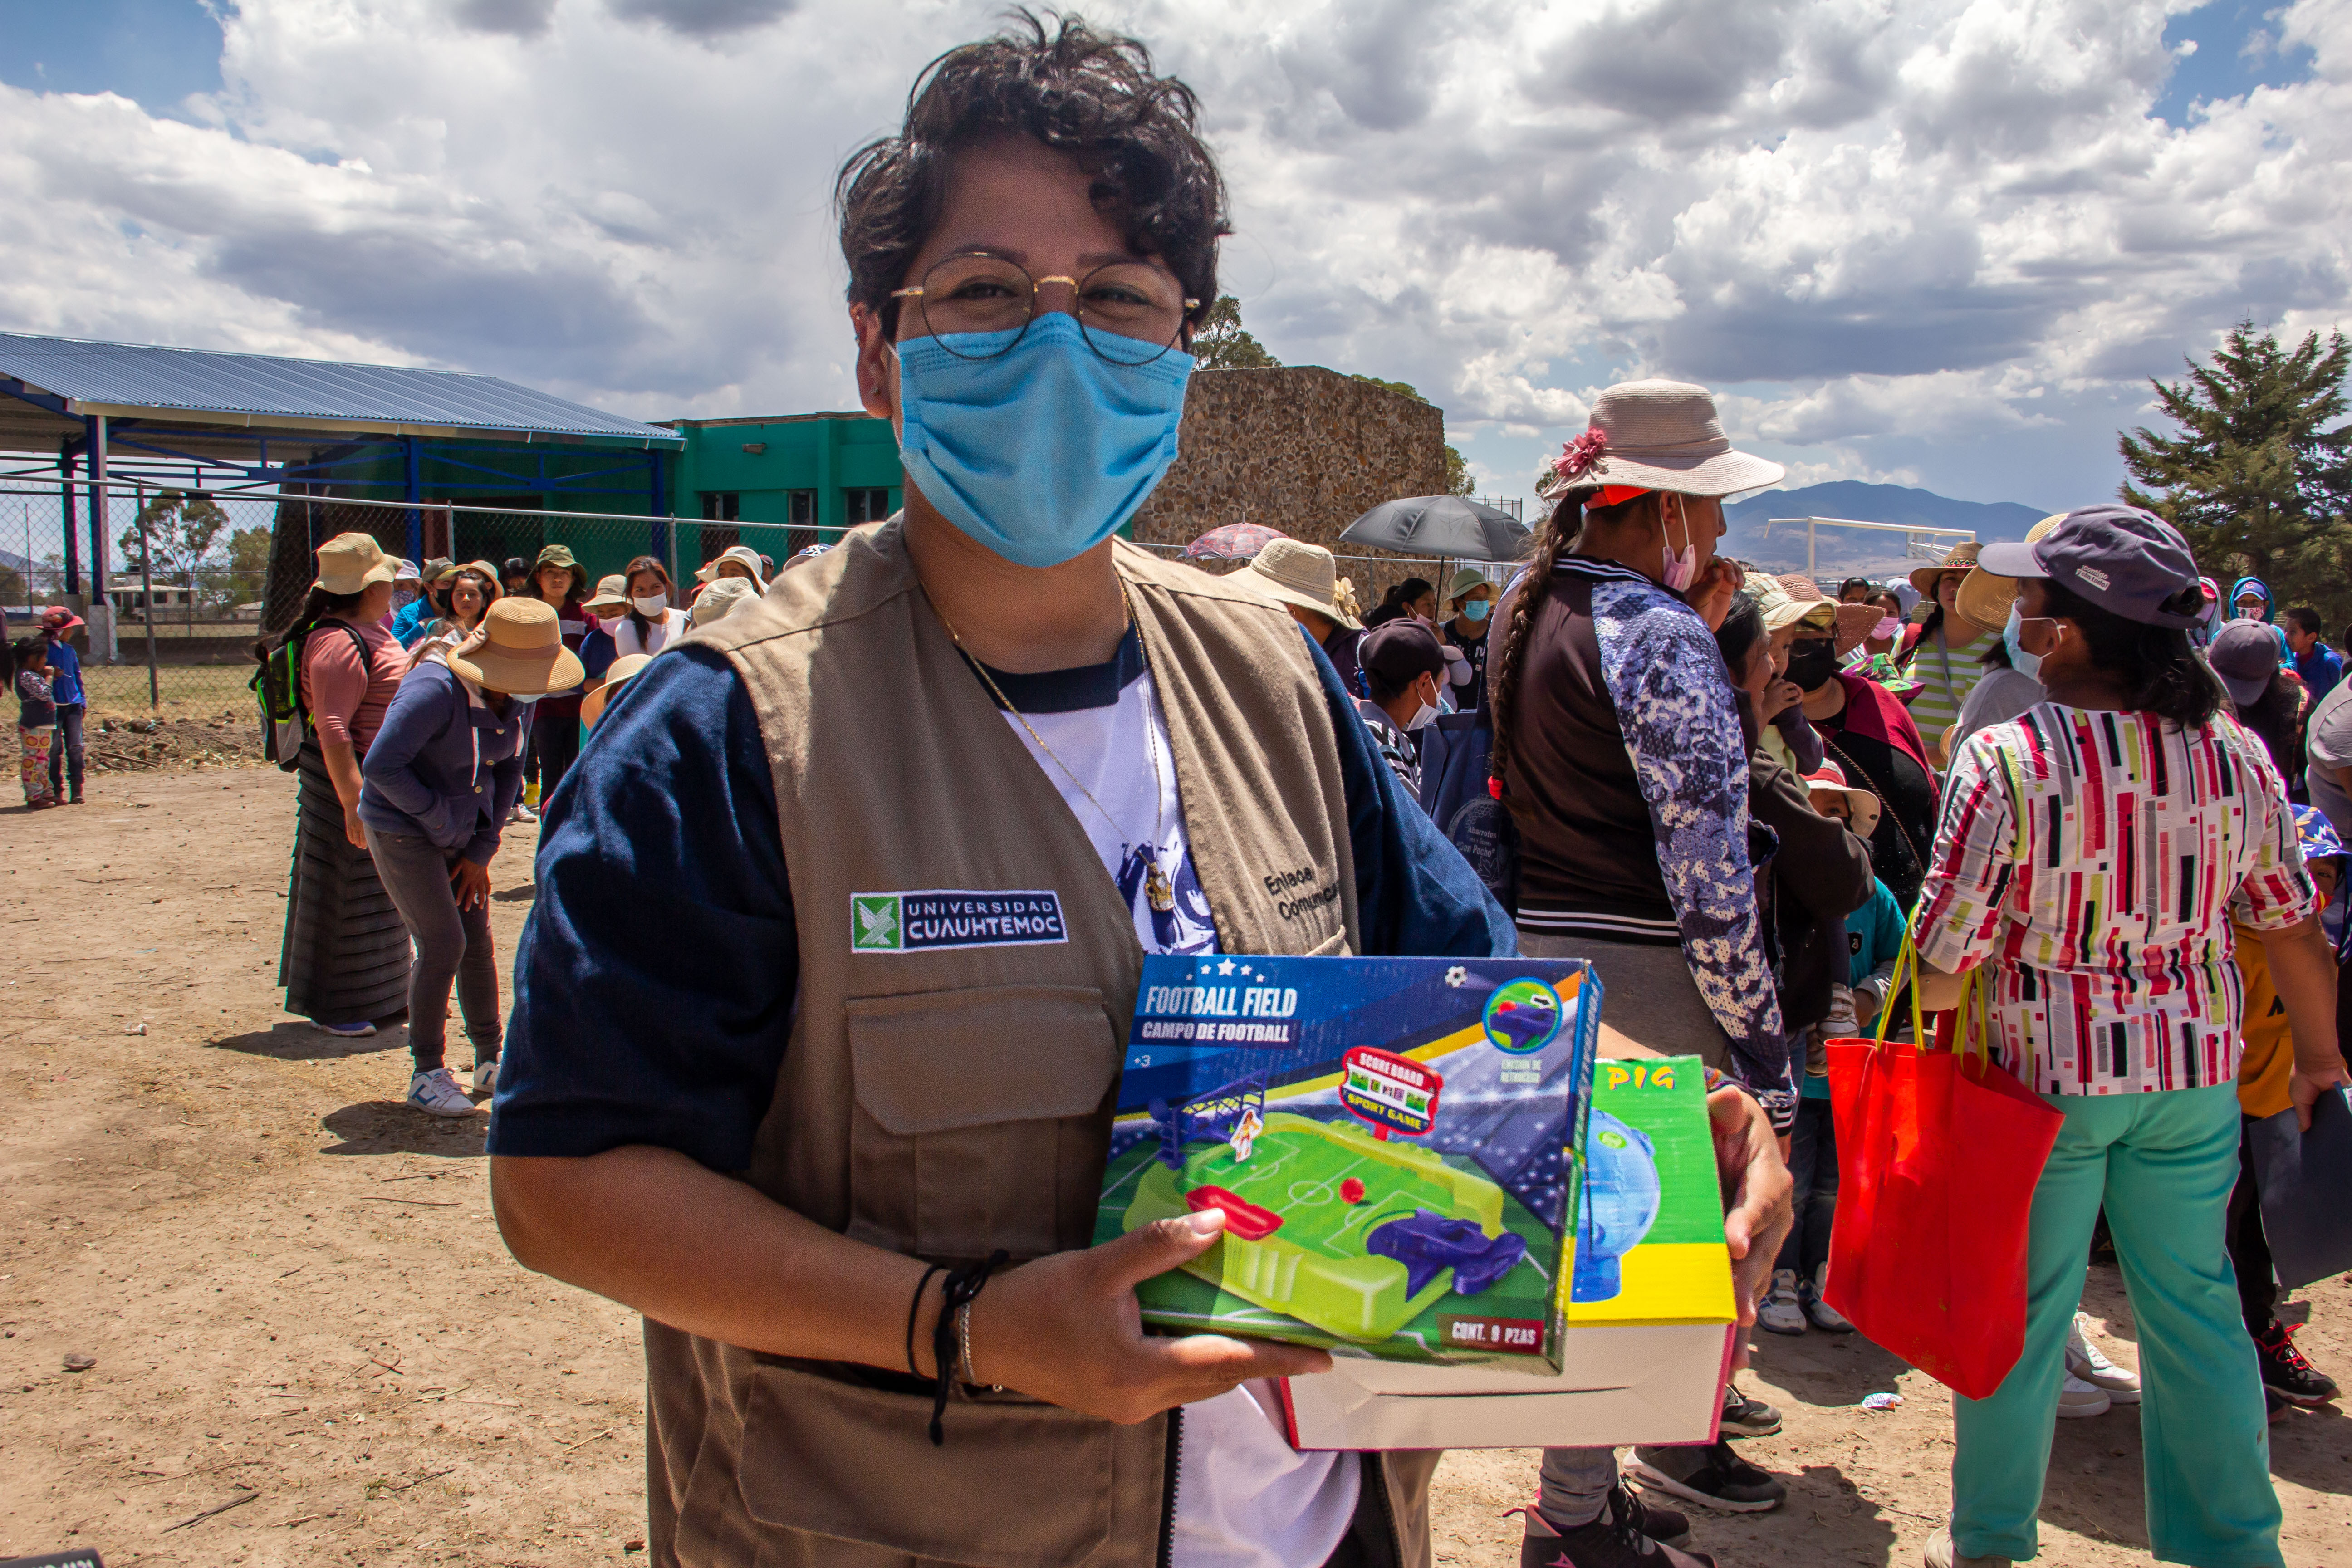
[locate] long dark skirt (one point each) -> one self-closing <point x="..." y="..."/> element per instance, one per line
<point x="345" y="957"/>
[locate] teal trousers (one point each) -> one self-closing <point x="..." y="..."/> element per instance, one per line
<point x="2163" y="1164"/>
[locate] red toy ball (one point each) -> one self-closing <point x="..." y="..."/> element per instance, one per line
<point x="1351" y="1191"/>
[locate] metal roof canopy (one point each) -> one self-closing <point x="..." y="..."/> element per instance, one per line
<point x="320" y="400"/>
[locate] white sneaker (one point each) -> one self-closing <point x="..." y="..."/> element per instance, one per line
<point x="1826" y="1318"/>
<point x="1780" y="1312"/>
<point x="437" y="1093"/>
<point x="485" y="1077"/>
<point x="2077" y="1398"/>
<point x="2086" y="1364"/>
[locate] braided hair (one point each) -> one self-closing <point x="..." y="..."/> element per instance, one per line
<point x="1570" y="515"/>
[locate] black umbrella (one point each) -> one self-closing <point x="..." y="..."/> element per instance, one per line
<point x="1441" y="526"/>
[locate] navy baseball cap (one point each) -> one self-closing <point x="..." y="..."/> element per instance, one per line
<point x="2245" y="654"/>
<point x="2126" y="561"/>
<point x="1401" y="651"/>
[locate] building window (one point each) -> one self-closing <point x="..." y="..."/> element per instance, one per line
<point x="721" y="506"/>
<point x="866" y="506"/>
<point x="800" y="508"/>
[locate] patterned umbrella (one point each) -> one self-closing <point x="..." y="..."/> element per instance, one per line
<point x="1234" y="542"/>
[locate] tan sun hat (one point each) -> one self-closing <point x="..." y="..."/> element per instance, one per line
<point x="621" y="669"/>
<point x="1849" y="623"/>
<point x="612" y="591"/>
<point x="1985" y="596"/>
<point x="1657" y="436"/>
<point x="1304" y="575"/>
<point x="351" y="563"/>
<point x="519" y="649"/>
<point x="1962" y="558"/>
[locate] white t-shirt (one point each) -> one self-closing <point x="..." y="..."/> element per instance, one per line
<point x="660" y="630"/>
<point x="1244" y="1498"/>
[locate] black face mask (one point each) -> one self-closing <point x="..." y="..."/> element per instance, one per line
<point x="1811" y="663"/>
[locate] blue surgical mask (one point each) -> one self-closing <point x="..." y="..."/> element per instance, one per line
<point x="1478" y="609"/>
<point x="2024" y="663"/>
<point x="1041" y="452"/>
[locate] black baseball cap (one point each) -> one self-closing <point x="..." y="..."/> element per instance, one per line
<point x="2126" y="561"/>
<point x="1401" y="652"/>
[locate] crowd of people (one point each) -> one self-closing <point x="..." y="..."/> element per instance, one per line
<point x="851" y="1183"/>
<point x="440" y="704"/>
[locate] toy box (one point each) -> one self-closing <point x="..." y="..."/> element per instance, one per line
<point x="1393" y="1143"/>
<point x="1650" y="1314"/>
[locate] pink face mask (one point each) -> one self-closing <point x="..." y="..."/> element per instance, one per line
<point x="1886" y="629"/>
<point x="1682" y="570"/>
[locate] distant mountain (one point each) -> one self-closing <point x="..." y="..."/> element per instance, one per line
<point x="1852" y="551"/>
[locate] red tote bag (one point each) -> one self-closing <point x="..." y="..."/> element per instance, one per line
<point x="1938" y="1154"/>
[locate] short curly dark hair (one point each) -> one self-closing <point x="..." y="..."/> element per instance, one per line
<point x="1090" y="94"/>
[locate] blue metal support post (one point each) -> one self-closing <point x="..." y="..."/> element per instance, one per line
<point x="412" y="493"/>
<point x="96" y="423"/>
<point x="67" y="464"/>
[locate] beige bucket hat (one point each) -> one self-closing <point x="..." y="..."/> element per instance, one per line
<point x="519" y="649"/>
<point x="1304" y="575"/>
<point x="351" y="563"/>
<point x="719" y="600"/>
<point x="621" y="669"/>
<point x="612" y="594"/>
<point x="1985" y="596"/>
<point x="1657" y="436"/>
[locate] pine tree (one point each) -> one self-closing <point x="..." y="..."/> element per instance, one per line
<point x="2256" y="481"/>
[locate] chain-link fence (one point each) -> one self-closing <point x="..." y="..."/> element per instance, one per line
<point x="176" y="586"/>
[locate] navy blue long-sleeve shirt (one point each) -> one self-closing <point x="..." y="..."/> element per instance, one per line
<point x="655" y="984"/>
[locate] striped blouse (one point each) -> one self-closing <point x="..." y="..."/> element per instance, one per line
<point x="1946" y="672"/>
<point x="2099" y="858"/>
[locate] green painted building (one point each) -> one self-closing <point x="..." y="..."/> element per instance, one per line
<point x="800" y="470"/>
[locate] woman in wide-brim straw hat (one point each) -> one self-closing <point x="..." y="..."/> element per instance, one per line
<point x="1619" y="749"/>
<point x="560" y="581"/>
<point x="1305" y="579"/>
<point x="443" y="774"/>
<point x="1945" y="653"/>
<point x="344" y="958"/>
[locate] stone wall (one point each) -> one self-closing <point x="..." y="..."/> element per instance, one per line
<point x="1303" y="449"/>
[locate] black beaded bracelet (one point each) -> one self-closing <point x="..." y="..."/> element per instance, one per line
<point x="914" y="1310"/>
<point x="963" y="1286"/>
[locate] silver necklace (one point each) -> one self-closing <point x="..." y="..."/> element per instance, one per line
<point x="1157" y="888"/>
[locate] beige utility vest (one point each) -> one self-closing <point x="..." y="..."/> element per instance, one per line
<point x="949" y="1083"/>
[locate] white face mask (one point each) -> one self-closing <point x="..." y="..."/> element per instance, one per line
<point x="651" y="604"/>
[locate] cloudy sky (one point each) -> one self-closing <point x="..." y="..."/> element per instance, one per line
<point x="1936" y="242"/>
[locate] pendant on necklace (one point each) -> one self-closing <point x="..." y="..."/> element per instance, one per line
<point x="1157" y="887"/>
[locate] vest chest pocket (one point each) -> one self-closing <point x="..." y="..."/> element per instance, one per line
<point x="983" y="1118"/>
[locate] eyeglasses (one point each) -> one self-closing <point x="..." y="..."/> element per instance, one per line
<point x="1130" y="313"/>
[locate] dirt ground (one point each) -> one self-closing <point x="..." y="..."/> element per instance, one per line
<point x="302" y="1316"/>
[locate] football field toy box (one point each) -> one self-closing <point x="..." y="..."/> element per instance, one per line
<point x="1649" y="1304"/>
<point x="1393" y="1143"/>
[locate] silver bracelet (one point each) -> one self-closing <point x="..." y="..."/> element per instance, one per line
<point x="963" y="1338"/>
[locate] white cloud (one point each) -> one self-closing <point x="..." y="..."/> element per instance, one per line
<point x="1896" y="234"/>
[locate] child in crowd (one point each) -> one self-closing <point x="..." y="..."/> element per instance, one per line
<point x="2264" y="1069"/>
<point x="36" y="713"/>
<point x="71" y="702"/>
<point x="1874" y="936"/>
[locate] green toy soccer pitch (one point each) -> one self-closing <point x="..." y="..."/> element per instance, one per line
<point x="1313" y="1266"/>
